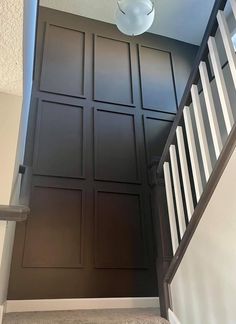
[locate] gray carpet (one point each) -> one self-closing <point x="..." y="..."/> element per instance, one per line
<point x="104" y="316"/>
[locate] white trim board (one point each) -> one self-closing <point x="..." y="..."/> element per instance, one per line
<point x="172" y="317"/>
<point x="40" y="305"/>
<point x="1" y="312"/>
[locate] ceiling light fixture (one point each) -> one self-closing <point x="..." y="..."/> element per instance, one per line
<point x="134" y="17"/>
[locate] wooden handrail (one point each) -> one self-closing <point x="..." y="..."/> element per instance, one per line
<point x="14" y="213"/>
<point x="193" y="78"/>
<point x="19" y="212"/>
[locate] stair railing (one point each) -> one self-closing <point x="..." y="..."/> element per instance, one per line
<point x="190" y="176"/>
<point x="20" y="212"/>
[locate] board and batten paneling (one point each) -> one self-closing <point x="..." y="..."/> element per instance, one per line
<point x="101" y="102"/>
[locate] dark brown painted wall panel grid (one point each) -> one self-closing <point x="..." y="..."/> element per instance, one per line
<point x="90" y="137"/>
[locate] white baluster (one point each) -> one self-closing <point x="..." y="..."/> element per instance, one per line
<point x="177" y="190"/>
<point x="193" y="153"/>
<point x="185" y="172"/>
<point x="201" y="132"/>
<point x="228" y="44"/>
<point x="170" y="205"/>
<point x="221" y="86"/>
<point x="233" y="5"/>
<point x="215" y="130"/>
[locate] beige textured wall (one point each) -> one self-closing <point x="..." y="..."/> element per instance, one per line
<point x="11" y="83"/>
<point x="11" y="26"/>
<point x="10" y="113"/>
<point x="17" y="28"/>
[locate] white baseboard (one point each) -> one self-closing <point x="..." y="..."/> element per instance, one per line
<point x="80" y="303"/>
<point x="172" y="317"/>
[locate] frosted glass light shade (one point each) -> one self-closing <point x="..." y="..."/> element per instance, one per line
<point x="134" y="17"/>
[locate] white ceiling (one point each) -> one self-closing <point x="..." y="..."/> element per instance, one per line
<point x="184" y="20"/>
<point x="11" y="51"/>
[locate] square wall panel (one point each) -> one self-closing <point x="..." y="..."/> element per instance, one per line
<point x="54" y="229"/>
<point x="115" y="147"/>
<point x="119" y="235"/>
<point x="112" y="71"/>
<point x="59" y="140"/>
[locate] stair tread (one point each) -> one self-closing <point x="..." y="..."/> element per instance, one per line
<point x="104" y="316"/>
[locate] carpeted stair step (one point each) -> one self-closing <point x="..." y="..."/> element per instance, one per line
<point x="104" y="316"/>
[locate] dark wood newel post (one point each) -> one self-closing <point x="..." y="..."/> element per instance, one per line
<point x="162" y="233"/>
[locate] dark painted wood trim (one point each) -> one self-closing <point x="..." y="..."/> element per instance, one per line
<point x="220" y="166"/>
<point x="194" y="77"/>
<point x="167" y="299"/>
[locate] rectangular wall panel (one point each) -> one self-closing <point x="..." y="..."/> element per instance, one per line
<point x="156" y="133"/>
<point x="112" y="71"/>
<point x="54" y="230"/>
<point x="115" y="147"/>
<point x="157" y="80"/>
<point x="63" y="61"/>
<point x="119" y="240"/>
<point x="59" y="140"/>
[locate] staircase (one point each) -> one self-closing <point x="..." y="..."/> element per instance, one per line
<point x="200" y="144"/>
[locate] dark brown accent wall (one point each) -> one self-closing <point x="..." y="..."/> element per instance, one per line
<point x="102" y="107"/>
